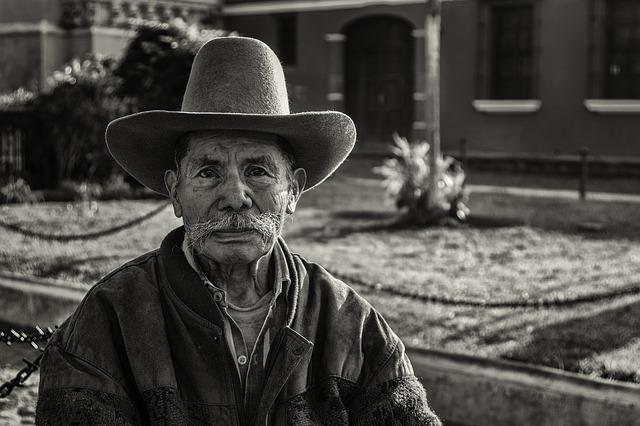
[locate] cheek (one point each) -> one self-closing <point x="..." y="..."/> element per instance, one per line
<point x="273" y="201"/>
<point x="195" y="205"/>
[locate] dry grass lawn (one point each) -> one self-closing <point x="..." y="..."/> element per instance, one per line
<point x="513" y="248"/>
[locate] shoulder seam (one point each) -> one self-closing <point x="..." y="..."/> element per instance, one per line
<point x="136" y="262"/>
<point x="86" y="361"/>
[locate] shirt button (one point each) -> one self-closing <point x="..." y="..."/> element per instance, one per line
<point x="217" y="296"/>
<point x="242" y="360"/>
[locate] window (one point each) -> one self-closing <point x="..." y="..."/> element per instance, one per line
<point x="622" y="47"/>
<point x="507" y="56"/>
<point x="11" y="151"/>
<point x="287" y="33"/>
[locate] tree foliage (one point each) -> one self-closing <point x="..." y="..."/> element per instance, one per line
<point x="156" y="64"/>
<point x="75" y="115"/>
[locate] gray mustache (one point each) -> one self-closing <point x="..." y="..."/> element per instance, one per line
<point x="266" y="225"/>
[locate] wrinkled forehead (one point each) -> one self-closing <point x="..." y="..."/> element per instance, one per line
<point x="225" y="143"/>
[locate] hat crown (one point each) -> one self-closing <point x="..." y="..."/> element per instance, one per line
<point x="236" y="75"/>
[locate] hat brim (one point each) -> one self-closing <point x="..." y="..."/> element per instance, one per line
<point x="144" y="143"/>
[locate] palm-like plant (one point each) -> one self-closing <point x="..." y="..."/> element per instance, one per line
<point x="407" y="178"/>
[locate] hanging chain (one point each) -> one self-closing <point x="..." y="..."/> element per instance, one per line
<point x="18" y="381"/>
<point x="12" y="337"/>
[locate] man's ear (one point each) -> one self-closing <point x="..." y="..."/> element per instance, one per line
<point x="171" y="182"/>
<point x="297" y="186"/>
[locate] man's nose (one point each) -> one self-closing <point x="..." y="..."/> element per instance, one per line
<point x="234" y="193"/>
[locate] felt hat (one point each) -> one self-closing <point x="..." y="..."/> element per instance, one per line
<point x="236" y="83"/>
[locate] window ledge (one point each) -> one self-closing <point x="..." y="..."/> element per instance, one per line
<point x="613" y="106"/>
<point x="507" y="106"/>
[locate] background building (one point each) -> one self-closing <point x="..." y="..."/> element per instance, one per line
<point x="521" y="78"/>
<point x="533" y="80"/>
<point x="38" y="37"/>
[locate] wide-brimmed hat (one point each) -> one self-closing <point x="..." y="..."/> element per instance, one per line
<point x="236" y="83"/>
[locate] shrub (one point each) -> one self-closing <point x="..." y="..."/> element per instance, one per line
<point x="408" y="178"/>
<point x="17" y="191"/>
<point x="117" y="188"/>
<point x="81" y="191"/>
<point x="77" y="112"/>
<point x="16" y="100"/>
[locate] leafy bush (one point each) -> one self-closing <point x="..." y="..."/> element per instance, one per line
<point x="116" y="188"/>
<point x="17" y="191"/>
<point x="81" y="191"/>
<point x="17" y="99"/>
<point x="77" y="112"/>
<point x="408" y="178"/>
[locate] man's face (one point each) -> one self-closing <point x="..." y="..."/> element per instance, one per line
<point x="233" y="191"/>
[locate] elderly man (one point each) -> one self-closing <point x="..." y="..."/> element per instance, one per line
<point x="223" y="324"/>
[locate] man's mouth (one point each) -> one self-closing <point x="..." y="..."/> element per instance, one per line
<point x="234" y="231"/>
<point x="232" y="235"/>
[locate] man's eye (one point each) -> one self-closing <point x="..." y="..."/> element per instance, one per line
<point x="206" y="173"/>
<point x="257" y="171"/>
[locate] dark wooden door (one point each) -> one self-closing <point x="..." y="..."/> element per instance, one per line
<point x="379" y="77"/>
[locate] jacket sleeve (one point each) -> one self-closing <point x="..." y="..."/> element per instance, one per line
<point x="73" y="391"/>
<point x="390" y="393"/>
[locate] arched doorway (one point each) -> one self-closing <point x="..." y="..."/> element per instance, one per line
<point x="379" y="66"/>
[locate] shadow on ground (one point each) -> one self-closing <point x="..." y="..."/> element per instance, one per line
<point x="342" y="223"/>
<point x="573" y="344"/>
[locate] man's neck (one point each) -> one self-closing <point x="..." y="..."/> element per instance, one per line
<point x="244" y="284"/>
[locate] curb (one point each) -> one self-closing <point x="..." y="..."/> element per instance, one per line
<point x="27" y="301"/>
<point x="469" y="390"/>
<point x="462" y="389"/>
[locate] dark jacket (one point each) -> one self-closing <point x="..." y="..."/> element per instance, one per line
<point x="146" y="345"/>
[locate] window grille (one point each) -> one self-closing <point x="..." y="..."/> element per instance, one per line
<point x="622" y="50"/>
<point x="11" y="151"/>
<point x="512" y="53"/>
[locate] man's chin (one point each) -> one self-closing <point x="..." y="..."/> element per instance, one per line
<point x="236" y="247"/>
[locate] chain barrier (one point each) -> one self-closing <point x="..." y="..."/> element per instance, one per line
<point x="33" y="338"/>
<point x="87" y="236"/>
<point x="539" y="303"/>
<point x="18" y="381"/>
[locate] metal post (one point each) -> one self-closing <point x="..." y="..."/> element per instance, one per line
<point x="432" y="91"/>
<point x="584" y="172"/>
<point x="463" y="152"/>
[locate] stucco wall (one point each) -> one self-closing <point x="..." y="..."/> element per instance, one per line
<point x="20" y="61"/>
<point x="28" y="10"/>
<point x="563" y="124"/>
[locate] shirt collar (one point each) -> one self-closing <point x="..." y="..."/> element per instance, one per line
<point x="281" y="269"/>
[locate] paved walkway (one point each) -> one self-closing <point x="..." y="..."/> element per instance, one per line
<point x="565" y="194"/>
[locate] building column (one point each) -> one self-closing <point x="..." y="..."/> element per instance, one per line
<point x="335" y="70"/>
<point x="419" y="126"/>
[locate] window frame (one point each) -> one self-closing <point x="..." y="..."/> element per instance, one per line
<point x="485" y="54"/>
<point x="599" y="52"/>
